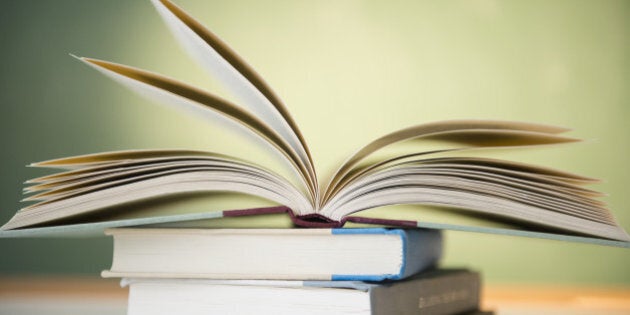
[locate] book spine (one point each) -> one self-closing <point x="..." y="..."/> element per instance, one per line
<point x="454" y="294"/>
<point x="422" y="248"/>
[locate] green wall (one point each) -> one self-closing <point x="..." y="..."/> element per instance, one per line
<point x="349" y="71"/>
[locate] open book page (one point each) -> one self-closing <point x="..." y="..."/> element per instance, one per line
<point x="203" y="104"/>
<point x="107" y="182"/>
<point x="480" y="201"/>
<point x="529" y="189"/>
<point x="458" y="158"/>
<point x="465" y="133"/>
<point x="530" y="194"/>
<point x="499" y="189"/>
<point x="224" y="64"/>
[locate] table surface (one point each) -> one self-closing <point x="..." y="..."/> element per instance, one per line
<point x="54" y="295"/>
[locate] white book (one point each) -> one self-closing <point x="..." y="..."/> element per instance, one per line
<point x="432" y="293"/>
<point x="299" y="254"/>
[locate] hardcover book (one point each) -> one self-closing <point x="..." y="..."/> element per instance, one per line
<point x="394" y="169"/>
<point x="296" y="254"/>
<point x="439" y="292"/>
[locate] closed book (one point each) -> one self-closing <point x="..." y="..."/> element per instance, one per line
<point x="370" y="254"/>
<point x="431" y="293"/>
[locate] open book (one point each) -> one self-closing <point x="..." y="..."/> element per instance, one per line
<point x="536" y="198"/>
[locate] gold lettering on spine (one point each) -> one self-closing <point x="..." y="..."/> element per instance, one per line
<point x="442" y="298"/>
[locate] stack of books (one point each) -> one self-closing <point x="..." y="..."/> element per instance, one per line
<point x="295" y="271"/>
<point x="325" y="260"/>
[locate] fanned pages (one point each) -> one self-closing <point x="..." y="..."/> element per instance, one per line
<point x="189" y="98"/>
<point x="238" y="76"/>
<point x="468" y="133"/>
<point x="536" y="201"/>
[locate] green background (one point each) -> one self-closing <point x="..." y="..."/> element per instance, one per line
<point x="349" y="71"/>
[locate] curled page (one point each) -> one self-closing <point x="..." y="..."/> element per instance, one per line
<point x="203" y="104"/>
<point x="240" y="79"/>
<point x="467" y="133"/>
